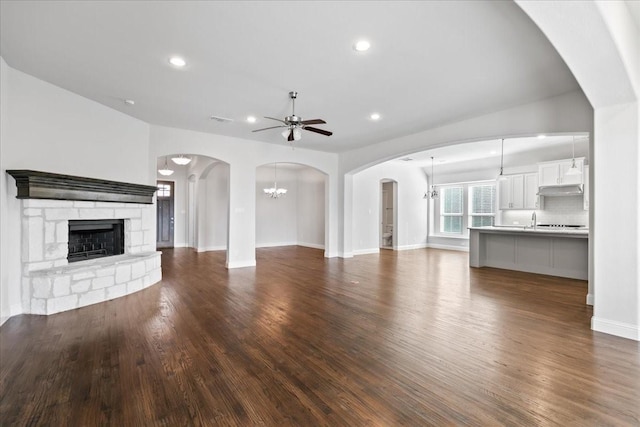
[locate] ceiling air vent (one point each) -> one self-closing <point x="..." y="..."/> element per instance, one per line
<point x="221" y="119"/>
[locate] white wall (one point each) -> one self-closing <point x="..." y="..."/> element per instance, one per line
<point x="311" y="208"/>
<point x="214" y="208"/>
<point x="411" y="230"/>
<point x="50" y="129"/>
<point x="599" y="41"/>
<point x="276" y="219"/>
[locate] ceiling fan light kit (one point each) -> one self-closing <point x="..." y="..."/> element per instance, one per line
<point x="294" y="125"/>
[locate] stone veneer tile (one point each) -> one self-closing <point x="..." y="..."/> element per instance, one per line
<point x="81" y="286"/>
<point x="35" y="266"/>
<point x="32" y="212"/>
<point x="38" y="306"/>
<point x="92" y="297"/>
<point x="83" y="275"/>
<point x="41" y="287"/>
<point x="49" y="232"/>
<point x="62" y="232"/>
<point x="56" y="214"/>
<point x="123" y="273"/>
<point x="56" y="305"/>
<point x="117" y="291"/>
<point x="83" y="204"/>
<point x="56" y="251"/>
<point x="46" y="203"/>
<point x="134" y="286"/>
<point x="61" y="286"/>
<point x="135" y="238"/>
<point x="127" y="213"/>
<point x="96" y="214"/>
<point x="33" y="239"/>
<point x="102" y="282"/>
<point x="106" y="271"/>
<point x="138" y="270"/>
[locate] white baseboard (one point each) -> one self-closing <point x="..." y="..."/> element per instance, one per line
<point x="345" y="254"/>
<point x="180" y="245"/>
<point x="619" y="329"/>
<point x="211" y="248"/>
<point x="410" y="247"/>
<point x="275" y="244"/>
<point x="331" y="254"/>
<point x="448" y="247"/>
<point x="366" y="251"/>
<point x="241" y="264"/>
<point x="311" y="245"/>
<point x="590" y="299"/>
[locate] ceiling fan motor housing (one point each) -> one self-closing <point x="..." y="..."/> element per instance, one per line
<point x="293" y="120"/>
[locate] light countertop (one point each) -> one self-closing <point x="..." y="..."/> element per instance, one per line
<point x="574" y="232"/>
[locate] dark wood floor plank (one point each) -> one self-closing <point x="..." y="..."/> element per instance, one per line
<point x="400" y="338"/>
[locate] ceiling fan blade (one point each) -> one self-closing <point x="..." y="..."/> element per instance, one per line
<point x="272" y="127"/>
<point x="278" y="120"/>
<point x="316" y="130"/>
<point x="313" y="122"/>
<point x="290" y="138"/>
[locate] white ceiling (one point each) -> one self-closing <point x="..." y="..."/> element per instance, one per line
<point x="431" y="62"/>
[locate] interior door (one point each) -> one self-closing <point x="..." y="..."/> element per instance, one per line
<point x="164" y="222"/>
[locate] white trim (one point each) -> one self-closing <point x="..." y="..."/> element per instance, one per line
<point x="211" y="248"/>
<point x="345" y="254"/>
<point x="448" y="247"/>
<point x="624" y="330"/>
<point x="590" y="299"/>
<point x="180" y="245"/>
<point x="311" y="245"/>
<point x="410" y="247"/>
<point x="366" y="251"/>
<point x="275" y="244"/>
<point x="331" y="254"/>
<point x="240" y="264"/>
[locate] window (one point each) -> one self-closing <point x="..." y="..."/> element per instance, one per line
<point x="463" y="205"/>
<point x="451" y="210"/>
<point x="164" y="190"/>
<point x="482" y="202"/>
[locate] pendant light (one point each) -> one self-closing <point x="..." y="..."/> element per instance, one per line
<point x="165" y="169"/>
<point x="433" y="194"/>
<point x="573" y="170"/>
<point x="500" y="175"/>
<point x="181" y="160"/>
<point x="275" y="192"/>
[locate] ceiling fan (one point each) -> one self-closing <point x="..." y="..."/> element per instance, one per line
<point x="295" y="125"/>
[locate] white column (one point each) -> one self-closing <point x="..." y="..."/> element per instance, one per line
<point x="241" y="237"/>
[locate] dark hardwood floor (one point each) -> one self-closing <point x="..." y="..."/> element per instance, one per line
<point x="401" y="338"/>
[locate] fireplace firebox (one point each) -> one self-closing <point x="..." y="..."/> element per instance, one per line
<point x="89" y="239"/>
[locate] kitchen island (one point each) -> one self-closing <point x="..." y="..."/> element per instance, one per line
<point x="556" y="252"/>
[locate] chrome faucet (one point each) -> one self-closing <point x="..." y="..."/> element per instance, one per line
<point x="534" y="222"/>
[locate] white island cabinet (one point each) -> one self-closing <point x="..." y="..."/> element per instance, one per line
<point x="563" y="253"/>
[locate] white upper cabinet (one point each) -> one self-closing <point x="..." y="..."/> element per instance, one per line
<point x="531" y="198"/>
<point x="518" y="191"/>
<point x="554" y="173"/>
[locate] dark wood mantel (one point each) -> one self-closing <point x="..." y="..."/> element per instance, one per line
<point x="45" y="185"/>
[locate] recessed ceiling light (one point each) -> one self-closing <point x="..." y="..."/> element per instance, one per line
<point x="177" y="61"/>
<point x="362" y="46"/>
<point x="541" y="136"/>
<point x="374" y="116"/>
<point x="129" y="101"/>
<point x="494" y="152"/>
<point x="251" y="119"/>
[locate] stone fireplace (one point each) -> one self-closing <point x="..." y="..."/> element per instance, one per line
<point x="64" y="240"/>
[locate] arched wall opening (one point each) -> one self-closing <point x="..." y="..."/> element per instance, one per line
<point x="298" y="217"/>
<point x="201" y="204"/>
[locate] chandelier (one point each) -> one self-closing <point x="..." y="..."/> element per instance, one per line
<point x="275" y="192"/>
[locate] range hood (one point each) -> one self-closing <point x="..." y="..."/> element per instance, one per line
<point x="561" y="190"/>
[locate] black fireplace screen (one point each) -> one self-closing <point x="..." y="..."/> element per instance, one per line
<point x="89" y="239"/>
